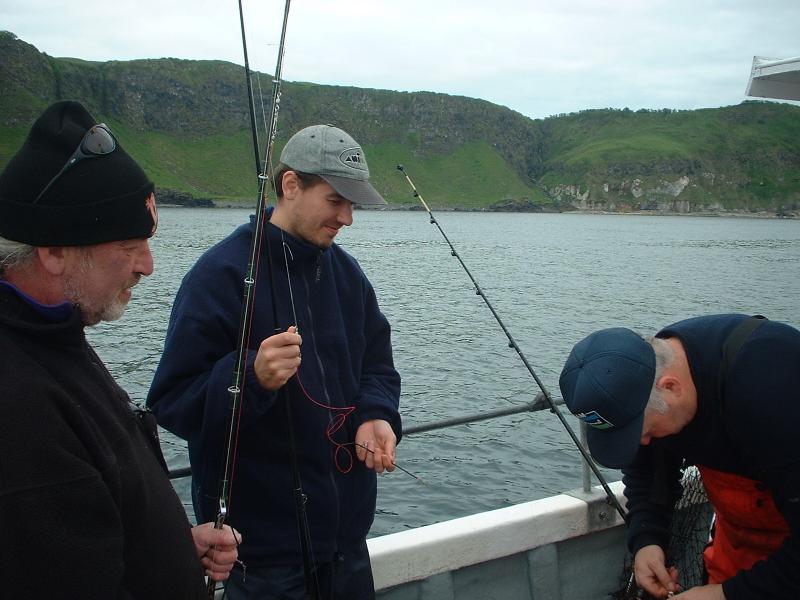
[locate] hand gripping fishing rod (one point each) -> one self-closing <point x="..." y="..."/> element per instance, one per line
<point x="236" y="389"/>
<point x="611" y="498"/>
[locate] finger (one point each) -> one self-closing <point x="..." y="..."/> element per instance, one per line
<point x="377" y="460"/>
<point x="361" y="451"/>
<point x="292" y="337"/>
<point x="218" y="561"/>
<point x="648" y="581"/>
<point x="285" y="365"/>
<point x="217" y="538"/>
<point x="390" y="449"/>
<point x="286" y="353"/>
<point x="281" y="340"/>
<point x="237" y="537"/>
<point x="389" y="463"/>
<point x="369" y="459"/>
<point x="673" y="574"/>
<point x="385" y="454"/>
<point x="224" y="556"/>
<point x="664" y="577"/>
<point x="217" y="575"/>
<point x="655" y="583"/>
<point x="285" y="374"/>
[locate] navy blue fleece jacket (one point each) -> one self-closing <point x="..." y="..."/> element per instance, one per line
<point x="347" y="361"/>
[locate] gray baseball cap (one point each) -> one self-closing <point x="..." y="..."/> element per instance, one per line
<point x="332" y="154"/>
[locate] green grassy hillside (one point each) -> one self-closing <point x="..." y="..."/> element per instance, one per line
<point x="187" y="122"/>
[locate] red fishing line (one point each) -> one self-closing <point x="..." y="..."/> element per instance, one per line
<point x="339" y="418"/>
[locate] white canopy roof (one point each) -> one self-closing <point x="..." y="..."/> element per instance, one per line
<point x="774" y="78"/>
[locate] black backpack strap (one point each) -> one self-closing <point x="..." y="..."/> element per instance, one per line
<point x="730" y="348"/>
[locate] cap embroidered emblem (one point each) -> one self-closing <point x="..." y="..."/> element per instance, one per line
<point x="593" y="419"/>
<point x="353" y="158"/>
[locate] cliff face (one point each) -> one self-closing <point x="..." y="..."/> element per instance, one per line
<point x="739" y="158"/>
<point x="188" y="122"/>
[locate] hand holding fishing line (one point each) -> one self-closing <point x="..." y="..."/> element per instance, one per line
<point x="652" y="574"/>
<point x="376" y="444"/>
<point x="278" y="359"/>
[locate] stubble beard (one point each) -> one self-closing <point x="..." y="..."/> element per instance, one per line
<point x="92" y="314"/>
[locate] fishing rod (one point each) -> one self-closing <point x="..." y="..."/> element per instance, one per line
<point x="304" y="532"/>
<point x="611" y="498"/>
<point x="236" y="389"/>
<point x="475" y="418"/>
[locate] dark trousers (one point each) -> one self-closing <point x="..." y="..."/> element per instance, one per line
<point x="348" y="576"/>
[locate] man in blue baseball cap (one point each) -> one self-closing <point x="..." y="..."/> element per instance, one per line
<point x="721" y="392"/>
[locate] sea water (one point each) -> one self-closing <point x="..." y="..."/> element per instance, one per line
<point x="551" y="278"/>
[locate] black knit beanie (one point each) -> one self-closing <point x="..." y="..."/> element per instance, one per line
<point x="99" y="199"/>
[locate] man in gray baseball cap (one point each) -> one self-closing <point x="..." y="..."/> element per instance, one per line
<point x="341" y="401"/>
<point x="332" y="154"/>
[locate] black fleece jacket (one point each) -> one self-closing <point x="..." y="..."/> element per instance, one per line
<point x="86" y="509"/>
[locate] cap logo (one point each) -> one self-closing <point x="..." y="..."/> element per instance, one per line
<point x="593" y="419"/>
<point x="353" y="158"/>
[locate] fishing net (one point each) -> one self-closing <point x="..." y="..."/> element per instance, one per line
<point x="691" y="525"/>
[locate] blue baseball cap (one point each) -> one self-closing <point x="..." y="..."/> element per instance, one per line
<point x="606" y="382"/>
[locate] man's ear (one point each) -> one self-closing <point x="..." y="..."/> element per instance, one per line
<point x="52" y="259"/>
<point x="670" y="385"/>
<point x="290" y="184"/>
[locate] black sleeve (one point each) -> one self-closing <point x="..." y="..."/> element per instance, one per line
<point x="652" y="486"/>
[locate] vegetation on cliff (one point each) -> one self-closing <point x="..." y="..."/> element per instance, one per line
<point x="187" y="123"/>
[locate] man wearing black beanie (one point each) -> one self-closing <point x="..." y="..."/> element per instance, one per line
<point x="86" y="508"/>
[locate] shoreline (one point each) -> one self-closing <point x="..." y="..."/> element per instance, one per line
<point x="636" y="213"/>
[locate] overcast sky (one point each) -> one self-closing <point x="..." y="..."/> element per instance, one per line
<point x="539" y="57"/>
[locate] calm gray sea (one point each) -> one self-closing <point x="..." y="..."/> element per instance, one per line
<point x="552" y="278"/>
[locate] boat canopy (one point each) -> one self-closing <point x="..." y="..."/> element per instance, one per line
<point x="775" y="78"/>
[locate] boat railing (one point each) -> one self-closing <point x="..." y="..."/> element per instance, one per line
<point x="539" y="403"/>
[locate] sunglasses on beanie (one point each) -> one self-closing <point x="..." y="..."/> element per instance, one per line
<point x="97" y="141"/>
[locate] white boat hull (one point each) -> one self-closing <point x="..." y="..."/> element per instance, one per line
<point x="565" y="547"/>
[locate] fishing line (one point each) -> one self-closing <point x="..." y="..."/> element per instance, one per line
<point x="340" y="414"/>
<point x="610" y="497"/>
<point x="287" y="252"/>
<point x="261" y="101"/>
